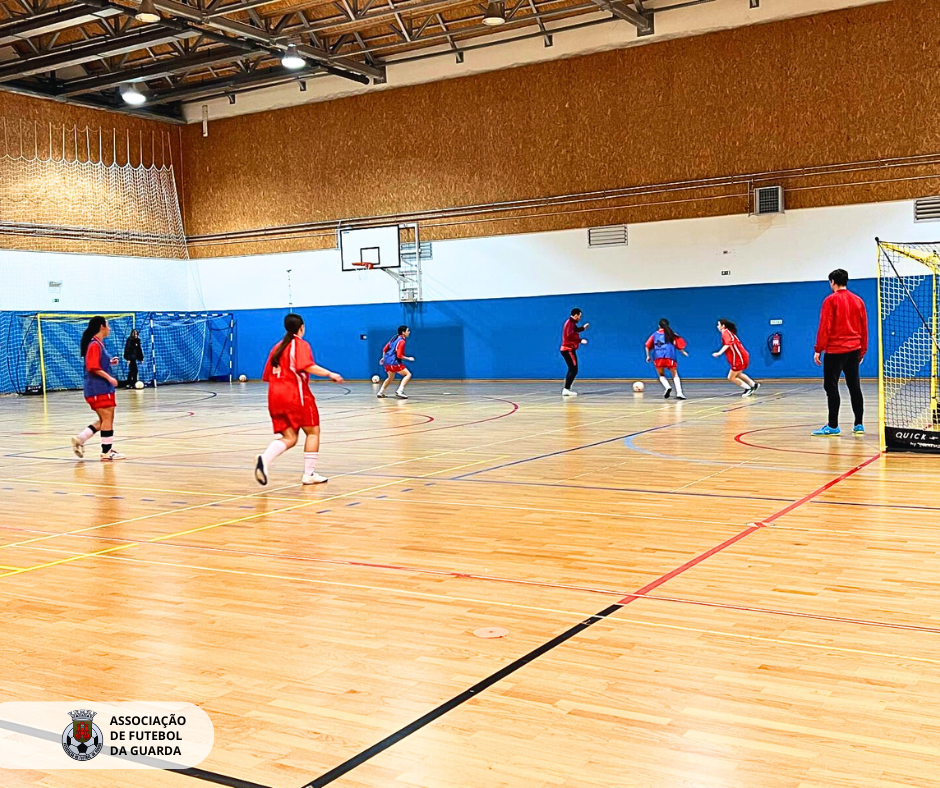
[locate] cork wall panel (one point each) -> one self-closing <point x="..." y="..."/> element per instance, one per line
<point x="852" y="86"/>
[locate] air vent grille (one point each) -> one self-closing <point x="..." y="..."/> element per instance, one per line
<point x="614" y="235"/>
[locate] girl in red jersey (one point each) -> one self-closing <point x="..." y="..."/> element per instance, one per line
<point x="290" y="403"/>
<point x="737" y="357"/>
<point x="99" y="390"/>
<point x="392" y="355"/>
<point x="663" y="345"/>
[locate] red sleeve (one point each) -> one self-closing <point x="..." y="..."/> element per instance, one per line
<point x="570" y="334"/>
<point x="680" y="343"/>
<point x="863" y="325"/>
<point x="387" y="346"/>
<point x="401" y="349"/>
<point x="727" y="338"/>
<point x="825" y="325"/>
<point x="303" y="355"/>
<point x="268" y="369"/>
<point x="649" y="343"/>
<point x="93" y="357"/>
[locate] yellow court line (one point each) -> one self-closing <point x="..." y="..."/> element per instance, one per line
<point x="580" y="615"/>
<point x="133" y="489"/>
<point x="318" y="501"/>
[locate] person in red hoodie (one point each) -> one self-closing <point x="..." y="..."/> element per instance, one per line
<point x="843" y="337"/>
<point x="570" y="341"/>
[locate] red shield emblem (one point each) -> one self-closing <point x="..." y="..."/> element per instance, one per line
<point x="81" y="731"/>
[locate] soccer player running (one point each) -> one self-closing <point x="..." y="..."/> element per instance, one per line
<point x="737" y="356"/>
<point x="99" y="390"/>
<point x="662" y="346"/>
<point x="393" y="354"/>
<point x="843" y="337"/>
<point x="290" y="403"/>
<point x="570" y="340"/>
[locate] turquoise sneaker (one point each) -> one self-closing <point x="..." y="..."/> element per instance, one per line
<point x="859" y="429"/>
<point x="827" y="430"/>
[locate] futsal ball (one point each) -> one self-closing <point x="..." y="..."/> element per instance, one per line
<point x="139" y="384"/>
<point x="375" y="378"/>
<point x="638" y="386"/>
<point x="242" y="378"/>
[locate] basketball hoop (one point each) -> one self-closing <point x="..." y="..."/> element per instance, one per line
<point x="364" y="266"/>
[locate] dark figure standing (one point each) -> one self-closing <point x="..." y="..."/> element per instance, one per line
<point x="133" y="353"/>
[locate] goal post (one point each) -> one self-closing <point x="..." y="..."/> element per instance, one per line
<point x="909" y="346"/>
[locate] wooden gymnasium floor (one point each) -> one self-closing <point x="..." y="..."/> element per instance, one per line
<point x="696" y="594"/>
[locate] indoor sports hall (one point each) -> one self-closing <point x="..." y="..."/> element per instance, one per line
<point x="446" y="394"/>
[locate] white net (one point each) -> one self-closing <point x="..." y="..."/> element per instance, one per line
<point x="84" y="190"/>
<point x="908" y="323"/>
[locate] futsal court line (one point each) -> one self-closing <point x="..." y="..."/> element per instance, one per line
<point x="304" y="505"/>
<point x="489" y="578"/>
<point x="470" y="693"/>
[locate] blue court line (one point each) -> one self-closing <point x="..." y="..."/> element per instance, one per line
<point x="563" y="451"/>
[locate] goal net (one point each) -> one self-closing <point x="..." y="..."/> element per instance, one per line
<point x="909" y="350"/>
<point x="178" y="347"/>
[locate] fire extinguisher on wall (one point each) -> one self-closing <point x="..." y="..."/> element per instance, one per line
<point x="775" y="343"/>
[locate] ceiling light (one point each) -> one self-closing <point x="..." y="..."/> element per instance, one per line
<point x="132" y="95"/>
<point x="147" y="12"/>
<point x="292" y="59"/>
<point x="495" y="14"/>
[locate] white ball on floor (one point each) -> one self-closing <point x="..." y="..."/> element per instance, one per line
<point x="375" y="378"/>
<point x="638" y="386"/>
<point x="242" y="378"/>
<point x="139" y="384"/>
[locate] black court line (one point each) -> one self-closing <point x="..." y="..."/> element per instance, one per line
<point x="457" y="700"/>
<point x="218" y="779"/>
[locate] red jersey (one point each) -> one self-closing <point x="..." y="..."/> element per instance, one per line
<point x="843" y="324"/>
<point x="736" y="354"/>
<point x="288" y="384"/>
<point x="571" y="335"/>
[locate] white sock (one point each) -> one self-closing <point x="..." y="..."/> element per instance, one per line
<point x="664" y="381"/>
<point x="85" y="434"/>
<point x="678" y="384"/>
<point x="310" y="462"/>
<point x="275" y="449"/>
<point x="741" y="383"/>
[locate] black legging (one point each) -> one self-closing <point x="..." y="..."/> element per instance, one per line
<point x="131" y="372"/>
<point x="834" y="365"/>
<point x="571" y="359"/>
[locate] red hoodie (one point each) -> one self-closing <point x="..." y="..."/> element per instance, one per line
<point x="843" y="324"/>
<point x="571" y="335"/>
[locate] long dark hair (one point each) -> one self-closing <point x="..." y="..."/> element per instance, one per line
<point x="402" y="330"/>
<point x="292" y="324"/>
<point x="729" y="325"/>
<point x="94" y="326"/>
<point x="670" y="335"/>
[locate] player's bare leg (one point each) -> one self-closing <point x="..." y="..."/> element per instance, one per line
<point x="404" y="382"/>
<point x="79" y="441"/>
<point x="275" y="449"/>
<point x="108" y="454"/>
<point x="385" y="384"/>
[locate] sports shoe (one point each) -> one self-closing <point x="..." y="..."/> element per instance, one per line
<point x="113" y="455"/>
<point x="749" y="393"/>
<point x="858" y="429"/>
<point x="754" y="389"/>
<point x="401" y="395"/>
<point x="261" y="470"/>
<point x="682" y="396"/>
<point x="668" y="394"/>
<point x="827" y="430"/>
<point x="568" y="393"/>
<point x="381" y="395"/>
<point x="78" y="447"/>
<point x="314" y="479"/>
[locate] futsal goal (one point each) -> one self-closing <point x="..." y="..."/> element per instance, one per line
<point x="908" y="346"/>
<point x="178" y="347"/>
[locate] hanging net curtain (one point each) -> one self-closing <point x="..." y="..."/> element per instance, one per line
<point x="87" y="190"/>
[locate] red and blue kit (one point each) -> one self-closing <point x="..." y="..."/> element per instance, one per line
<point x="99" y="393"/>
<point x="393" y="353"/>
<point x="736" y="354"/>
<point x="290" y="402"/>
<point x="663" y="352"/>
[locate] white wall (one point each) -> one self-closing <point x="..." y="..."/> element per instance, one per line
<point x="95" y="283"/>
<point x="797" y="246"/>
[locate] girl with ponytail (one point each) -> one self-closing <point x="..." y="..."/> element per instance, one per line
<point x="99" y="390"/>
<point x="290" y="403"/>
<point x="736" y="355"/>
<point x="661" y="348"/>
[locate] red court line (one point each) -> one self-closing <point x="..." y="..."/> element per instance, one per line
<point x="740" y="439"/>
<point x="743" y="534"/>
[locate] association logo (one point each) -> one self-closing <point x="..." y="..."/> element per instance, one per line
<point x="82" y="740"/>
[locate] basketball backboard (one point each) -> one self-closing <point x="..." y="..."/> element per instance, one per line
<point x="378" y="246"/>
